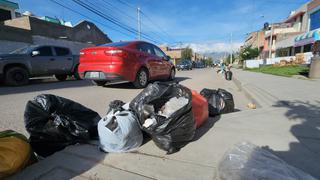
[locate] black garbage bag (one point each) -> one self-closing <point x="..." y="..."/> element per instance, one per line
<point x="220" y="101"/>
<point x="228" y="75"/>
<point x="54" y="122"/>
<point x="169" y="133"/>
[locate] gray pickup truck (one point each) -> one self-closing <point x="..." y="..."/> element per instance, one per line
<point x="33" y="61"/>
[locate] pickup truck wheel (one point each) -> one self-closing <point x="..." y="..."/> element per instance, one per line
<point x="142" y="79"/>
<point x="60" y="77"/>
<point x="99" y="83"/>
<point x="16" y="76"/>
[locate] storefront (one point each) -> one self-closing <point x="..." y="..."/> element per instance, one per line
<point x="303" y="42"/>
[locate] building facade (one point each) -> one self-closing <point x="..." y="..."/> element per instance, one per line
<point x="17" y="32"/>
<point x="8" y="10"/>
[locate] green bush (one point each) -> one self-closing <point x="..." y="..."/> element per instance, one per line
<point x="287" y="71"/>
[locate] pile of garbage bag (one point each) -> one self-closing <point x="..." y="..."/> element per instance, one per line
<point x="54" y="122"/>
<point x="15" y="153"/>
<point x="164" y="111"/>
<point x="248" y="161"/>
<point x="167" y="112"/>
<point x="119" y="130"/>
<point x="220" y="101"/>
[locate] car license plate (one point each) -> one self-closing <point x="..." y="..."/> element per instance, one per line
<point x="94" y="74"/>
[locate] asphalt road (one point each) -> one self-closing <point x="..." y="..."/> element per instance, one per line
<point x="14" y="99"/>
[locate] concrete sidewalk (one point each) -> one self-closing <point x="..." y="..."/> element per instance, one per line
<point x="286" y="124"/>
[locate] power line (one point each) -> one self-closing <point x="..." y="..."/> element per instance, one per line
<point x="112" y="20"/>
<point x="156" y="24"/>
<point x="116" y="10"/>
<point x="149" y="19"/>
<point x="66" y="7"/>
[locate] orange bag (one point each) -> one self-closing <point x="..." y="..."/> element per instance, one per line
<point x="199" y="108"/>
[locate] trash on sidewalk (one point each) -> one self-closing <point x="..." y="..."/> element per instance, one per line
<point x="199" y="108"/>
<point x="119" y="131"/>
<point x="220" y="101"/>
<point x="164" y="111"/>
<point x="247" y="161"/>
<point x="54" y="122"/>
<point x="228" y="75"/>
<point x="15" y="153"/>
<point x="252" y="106"/>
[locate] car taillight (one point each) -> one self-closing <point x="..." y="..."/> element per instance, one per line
<point x="117" y="52"/>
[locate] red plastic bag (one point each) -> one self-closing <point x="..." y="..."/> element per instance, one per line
<point x="199" y="108"/>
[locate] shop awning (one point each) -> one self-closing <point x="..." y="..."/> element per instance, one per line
<point x="307" y="38"/>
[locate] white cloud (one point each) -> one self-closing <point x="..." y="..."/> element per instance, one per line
<point x="208" y="47"/>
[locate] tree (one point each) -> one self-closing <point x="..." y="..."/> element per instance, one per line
<point x="227" y="60"/>
<point x="186" y="53"/>
<point x="249" y="53"/>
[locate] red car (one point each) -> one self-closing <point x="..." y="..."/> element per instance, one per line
<point x="134" y="61"/>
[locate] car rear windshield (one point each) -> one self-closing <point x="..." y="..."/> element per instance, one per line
<point x="116" y="44"/>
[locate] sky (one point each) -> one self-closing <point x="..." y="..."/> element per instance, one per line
<point x="204" y="25"/>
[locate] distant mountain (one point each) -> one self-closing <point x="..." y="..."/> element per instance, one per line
<point x="217" y="55"/>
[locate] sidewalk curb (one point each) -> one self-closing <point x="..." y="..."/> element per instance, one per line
<point x="246" y="92"/>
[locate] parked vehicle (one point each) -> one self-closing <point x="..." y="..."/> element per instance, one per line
<point x="134" y="61"/>
<point x="184" y="65"/>
<point x="200" y="64"/>
<point x="32" y="61"/>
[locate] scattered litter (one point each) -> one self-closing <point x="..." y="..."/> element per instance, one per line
<point x="54" y="122"/>
<point x="252" y="106"/>
<point x="164" y="111"/>
<point x="247" y="161"/>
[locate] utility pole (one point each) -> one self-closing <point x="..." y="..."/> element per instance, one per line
<point x="231" y="49"/>
<point x="270" y="42"/>
<point x="139" y="24"/>
<point x="258" y="43"/>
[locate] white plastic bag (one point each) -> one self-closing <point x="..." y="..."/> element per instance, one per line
<point x="119" y="132"/>
<point x="249" y="162"/>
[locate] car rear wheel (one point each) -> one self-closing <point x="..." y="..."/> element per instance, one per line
<point x="142" y="79"/>
<point x="99" y="83"/>
<point x="61" y="77"/>
<point x="16" y="76"/>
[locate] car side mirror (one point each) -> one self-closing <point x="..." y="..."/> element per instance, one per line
<point x="35" y="53"/>
<point x="167" y="58"/>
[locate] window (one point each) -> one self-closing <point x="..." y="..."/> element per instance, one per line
<point x="147" y="48"/>
<point x="61" y="51"/>
<point x="159" y="52"/>
<point x="314" y="20"/>
<point x="45" y="51"/>
<point x="307" y="48"/>
<point x="4" y="15"/>
<point x="116" y="44"/>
